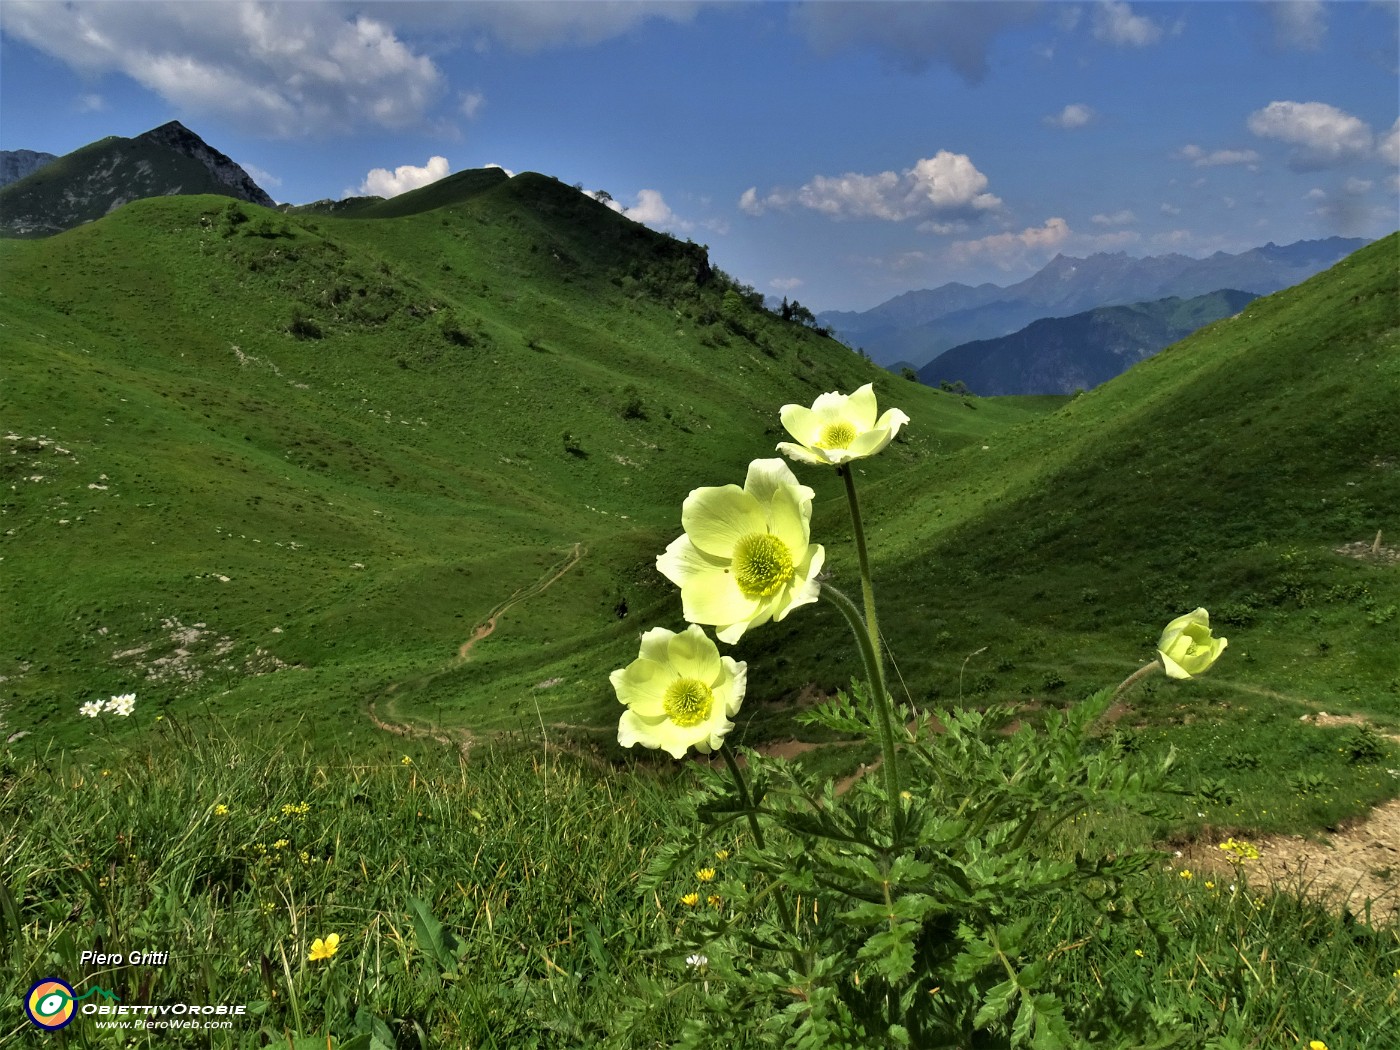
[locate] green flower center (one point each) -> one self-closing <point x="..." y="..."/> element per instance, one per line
<point x="688" y="702"/>
<point x="762" y="565"/>
<point x="837" y="435"/>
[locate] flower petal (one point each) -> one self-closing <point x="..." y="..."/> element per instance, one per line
<point x="767" y="477"/>
<point x="733" y="683"/>
<point x="892" y="420"/>
<point x="691" y="654"/>
<point x="718" y="517"/>
<point x="860" y="408"/>
<point x="814" y="457"/>
<point x="641" y="686"/>
<point x="683" y="561"/>
<point x="715" y="598"/>
<point x="801" y="422"/>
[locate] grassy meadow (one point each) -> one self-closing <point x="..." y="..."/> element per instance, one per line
<point x="364" y="507"/>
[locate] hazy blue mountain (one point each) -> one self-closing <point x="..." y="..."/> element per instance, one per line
<point x="1062" y="354"/>
<point x="102" y="176"/>
<point x="918" y="326"/>
<point x="15" y="164"/>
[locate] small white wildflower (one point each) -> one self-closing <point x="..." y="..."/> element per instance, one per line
<point x="697" y="960"/>
<point x="121" y="705"/>
<point x="92" y="708"/>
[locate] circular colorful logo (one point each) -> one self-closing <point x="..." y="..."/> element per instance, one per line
<point x="49" y="1004"/>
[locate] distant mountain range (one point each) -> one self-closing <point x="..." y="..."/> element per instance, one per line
<point x="98" y="178"/>
<point x="15" y="164"/>
<point x="1058" y="355"/>
<point x="917" y="326"/>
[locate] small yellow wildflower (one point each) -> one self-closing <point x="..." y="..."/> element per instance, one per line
<point x="1210" y="885"/>
<point x="1239" y="850"/>
<point x="714" y="900"/>
<point x="721" y="854"/>
<point x="299" y="809"/>
<point x="706" y="874"/>
<point x="220" y="810"/>
<point x="1138" y="952"/>
<point x="1185" y="873"/>
<point x="1317" y="1044"/>
<point x="281" y="844"/>
<point x="405" y="761"/>
<point x="690" y="900"/>
<point x="324" y="949"/>
<point x="268" y="907"/>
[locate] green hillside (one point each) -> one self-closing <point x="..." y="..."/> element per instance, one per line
<point x="1247" y="469"/>
<point x="284" y="464"/>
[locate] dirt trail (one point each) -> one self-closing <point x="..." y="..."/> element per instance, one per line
<point x="1349" y="865"/>
<point x="488" y="625"/>
<point x="460" y="737"/>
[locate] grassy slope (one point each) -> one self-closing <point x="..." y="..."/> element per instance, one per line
<point x="420" y="436"/>
<point x="1222" y="472"/>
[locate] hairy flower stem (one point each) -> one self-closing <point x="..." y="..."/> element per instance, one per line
<point x="867" y="588"/>
<point x="1133" y="679"/>
<point x="889" y="767"/>
<point x="746" y="800"/>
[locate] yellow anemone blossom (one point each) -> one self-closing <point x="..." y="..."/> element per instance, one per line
<point x="680" y="693"/>
<point x="839" y="428"/>
<point x="1186" y="647"/>
<point x="324" y="949"/>
<point x="744" y="558"/>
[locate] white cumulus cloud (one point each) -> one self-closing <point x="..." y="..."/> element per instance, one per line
<point x="1009" y="250"/>
<point x="650" y="209"/>
<point x="1216" y="158"/>
<point x="1115" y="23"/>
<point x="281" y="70"/>
<point x="1388" y="148"/>
<point x="1322" y="135"/>
<point x="381" y="182"/>
<point x="944" y="183"/>
<point x="1075" y="115"/>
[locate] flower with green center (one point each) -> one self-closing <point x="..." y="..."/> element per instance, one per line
<point x="744" y="558"/>
<point x="839" y="428"/>
<point x="680" y="693"/>
<point x="1186" y="647"/>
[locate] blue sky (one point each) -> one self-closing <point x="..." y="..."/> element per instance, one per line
<point x="838" y="153"/>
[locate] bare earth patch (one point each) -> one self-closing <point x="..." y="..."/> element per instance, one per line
<point x="1344" y="869"/>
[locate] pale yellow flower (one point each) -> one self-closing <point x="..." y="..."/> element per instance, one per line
<point x="1186" y="647"/>
<point x="680" y="693"/>
<point x="324" y="949"/>
<point x="745" y="557"/>
<point x="839" y="428"/>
